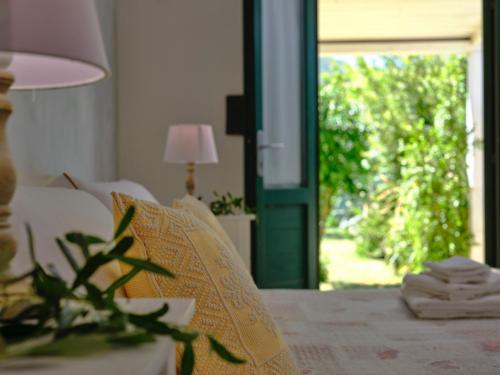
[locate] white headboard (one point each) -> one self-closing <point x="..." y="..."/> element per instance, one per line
<point x="24" y="179"/>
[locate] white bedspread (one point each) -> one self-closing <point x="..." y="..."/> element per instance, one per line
<point x="371" y="332"/>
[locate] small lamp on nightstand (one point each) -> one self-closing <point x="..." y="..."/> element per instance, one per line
<point x="190" y="144"/>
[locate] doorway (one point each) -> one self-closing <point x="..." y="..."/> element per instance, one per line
<point x="482" y="178"/>
<point x="401" y="138"/>
<point x="280" y="64"/>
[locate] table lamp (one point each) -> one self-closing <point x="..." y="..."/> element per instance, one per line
<point x="44" y="44"/>
<point x="190" y="144"/>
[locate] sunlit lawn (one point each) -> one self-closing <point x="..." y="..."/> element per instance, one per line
<point x="346" y="269"/>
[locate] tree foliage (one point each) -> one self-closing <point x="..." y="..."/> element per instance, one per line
<point x="343" y="140"/>
<point x="413" y="143"/>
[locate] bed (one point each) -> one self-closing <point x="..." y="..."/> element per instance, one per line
<point x="351" y="332"/>
<point x="371" y="332"/>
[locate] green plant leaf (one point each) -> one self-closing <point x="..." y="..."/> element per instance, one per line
<point x="95" y="295"/>
<point x="82" y="329"/>
<point x="68" y="255"/>
<point x="122" y="246"/>
<point x="79" y="240"/>
<point x="151" y="325"/>
<point x="226" y="204"/>
<point x="124" y="223"/>
<point x="121" y="281"/>
<point x="13" y="333"/>
<point x="184" y="337"/>
<point x="144" y="265"/>
<point x="49" y="287"/>
<point x="94" y="240"/>
<point x="117" y="322"/>
<point x="75" y="237"/>
<point x="222" y="352"/>
<point x="187" y="362"/>
<point x="31" y="243"/>
<point x="155" y="314"/>
<point x="96" y="261"/>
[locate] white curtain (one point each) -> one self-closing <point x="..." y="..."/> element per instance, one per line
<point x="283" y="91"/>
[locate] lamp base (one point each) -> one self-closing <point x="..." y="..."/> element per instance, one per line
<point x="7" y="175"/>
<point x="190" y="178"/>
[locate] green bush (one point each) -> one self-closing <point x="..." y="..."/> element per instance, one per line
<point x="411" y="160"/>
<point x="343" y="142"/>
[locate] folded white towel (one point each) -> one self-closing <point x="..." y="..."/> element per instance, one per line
<point x="426" y="284"/>
<point x="459" y="270"/>
<point x="457" y="264"/>
<point x="427" y="307"/>
<point x="461" y="279"/>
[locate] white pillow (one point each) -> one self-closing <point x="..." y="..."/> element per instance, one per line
<point x="62" y="181"/>
<point x="103" y="190"/>
<point x="53" y="212"/>
<point x="42" y="180"/>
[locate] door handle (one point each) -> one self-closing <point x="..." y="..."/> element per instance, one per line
<point x="261" y="146"/>
<point x="271" y="146"/>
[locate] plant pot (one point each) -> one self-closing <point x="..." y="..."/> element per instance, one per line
<point x="238" y="228"/>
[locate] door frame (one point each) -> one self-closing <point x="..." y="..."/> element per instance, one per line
<point x="491" y="74"/>
<point x="251" y="38"/>
<point x="491" y="89"/>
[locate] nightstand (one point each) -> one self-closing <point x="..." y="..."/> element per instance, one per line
<point x="238" y="228"/>
<point x="153" y="359"/>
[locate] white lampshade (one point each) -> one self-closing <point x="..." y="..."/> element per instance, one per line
<point x="51" y="43"/>
<point x="190" y="143"/>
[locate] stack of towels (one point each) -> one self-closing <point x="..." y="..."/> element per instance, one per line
<point x="455" y="288"/>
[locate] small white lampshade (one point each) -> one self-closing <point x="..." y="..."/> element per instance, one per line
<point x="51" y="43"/>
<point x="189" y="143"/>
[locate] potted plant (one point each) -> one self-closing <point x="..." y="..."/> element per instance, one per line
<point x="57" y="318"/>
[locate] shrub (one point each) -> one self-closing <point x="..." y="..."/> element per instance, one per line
<point x="343" y="141"/>
<point x="411" y="155"/>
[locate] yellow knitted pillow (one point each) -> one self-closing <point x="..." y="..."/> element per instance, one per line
<point x="228" y="304"/>
<point x="203" y="213"/>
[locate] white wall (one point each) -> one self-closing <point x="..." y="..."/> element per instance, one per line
<point x="177" y="61"/>
<point x="476" y="154"/>
<point x="68" y="130"/>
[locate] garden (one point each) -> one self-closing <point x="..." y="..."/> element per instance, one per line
<point x="394" y="190"/>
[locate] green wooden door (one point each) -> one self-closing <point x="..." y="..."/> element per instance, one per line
<point x="284" y="74"/>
